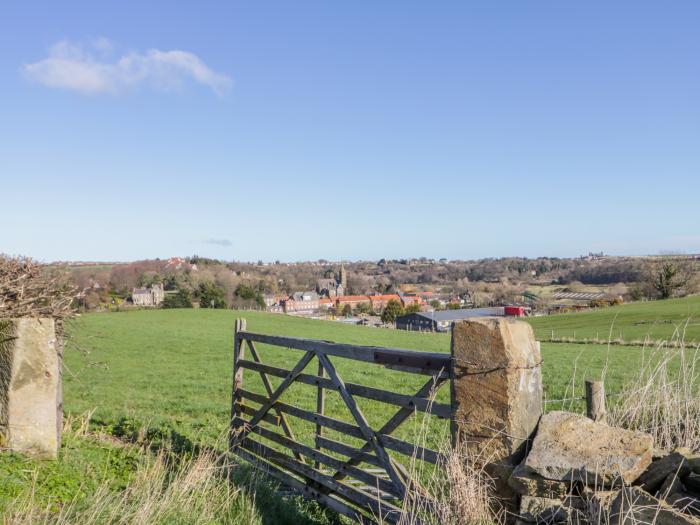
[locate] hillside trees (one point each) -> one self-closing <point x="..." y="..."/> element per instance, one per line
<point x="210" y="295"/>
<point x="181" y="299"/>
<point x="392" y="310"/>
<point x="245" y="296"/>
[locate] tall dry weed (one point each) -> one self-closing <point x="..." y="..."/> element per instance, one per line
<point x="664" y="400"/>
<point x="456" y="491"/>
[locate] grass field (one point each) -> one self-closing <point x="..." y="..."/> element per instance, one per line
<point x="658" y="320"/>
<point x="173" y="368"/>
<point x="170" y="371"/>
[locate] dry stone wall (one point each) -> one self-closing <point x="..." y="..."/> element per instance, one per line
<point x="558" y="467"/>
<point x="584" y="472"/>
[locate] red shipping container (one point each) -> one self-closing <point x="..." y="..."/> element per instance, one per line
<point x="516" y="311"/>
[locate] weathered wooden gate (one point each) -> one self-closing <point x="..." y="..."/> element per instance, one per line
<point x="365" y="482"/>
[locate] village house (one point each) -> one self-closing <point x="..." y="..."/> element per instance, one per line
<point x="273" y="303"/>
<point x="408" y="300"/>
<point x="301" y="302"/>
<point x="325" y="303"/>
<point x="351" y="300"/>
<point x="152" y="296"/>
<point x="378" y="302"/>
<point x="178" y="263"/>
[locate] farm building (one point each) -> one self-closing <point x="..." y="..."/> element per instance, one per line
<point x="441" y="321"/>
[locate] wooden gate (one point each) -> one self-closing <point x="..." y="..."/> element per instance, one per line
<point x="366" y="482"/>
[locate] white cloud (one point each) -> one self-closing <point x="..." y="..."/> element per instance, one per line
<point x="72" y="66"/>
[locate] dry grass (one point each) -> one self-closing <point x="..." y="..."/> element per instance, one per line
<point x="195" y="493"/>
<point x="457" y="491"/>
<point x="665" y="399"/>
<point x="164" y="489"/>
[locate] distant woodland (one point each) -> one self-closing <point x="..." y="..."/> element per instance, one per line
<point x="484" y="281"/>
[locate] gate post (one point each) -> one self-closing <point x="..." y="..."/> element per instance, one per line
<point x="238" y="354"/>
<point x="30" y="387"/>
<point x="496" y="395"/>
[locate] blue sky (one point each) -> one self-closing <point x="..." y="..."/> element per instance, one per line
<point x="348" y="130"/>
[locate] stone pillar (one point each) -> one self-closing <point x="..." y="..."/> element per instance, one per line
<point x="497" y="394"/>
<point x="29" y="387"/>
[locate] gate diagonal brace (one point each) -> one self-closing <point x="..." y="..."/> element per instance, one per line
<point x="298" y="369"/>
<point x="430" y="387"/>
<point x="367" y="432"/>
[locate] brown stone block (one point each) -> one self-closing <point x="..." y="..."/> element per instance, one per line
<point x="497" y="391"/>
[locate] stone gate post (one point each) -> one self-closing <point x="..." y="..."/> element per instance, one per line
<point x="30" y="395"/>
<point x="496" y="394"/>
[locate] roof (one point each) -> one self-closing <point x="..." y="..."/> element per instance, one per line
<point x="581" y="296"/>
<point x="387" y="297"/>
<point x="456" y="315"/>
<point x="351" y="298"/>
<point x="299" y="296"/>
<point x="139" y="291"/>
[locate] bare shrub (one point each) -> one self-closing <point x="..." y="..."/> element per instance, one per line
<point x="29" y="289"/>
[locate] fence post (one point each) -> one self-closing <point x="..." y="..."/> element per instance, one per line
<point x="595" y="400"/>
<point x="496" y="395"/>
<point x="238" y="353"/>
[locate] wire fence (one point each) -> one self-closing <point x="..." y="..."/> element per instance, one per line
<point x="579" y="398"/>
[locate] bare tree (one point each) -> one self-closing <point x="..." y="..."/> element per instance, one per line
<point x="670" y="276"/>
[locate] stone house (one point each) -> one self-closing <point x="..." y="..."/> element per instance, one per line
<point x="152" y="296"/>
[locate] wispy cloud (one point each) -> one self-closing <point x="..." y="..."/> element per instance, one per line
<point x="92" y="70"/>
<point x="219" y="242"/>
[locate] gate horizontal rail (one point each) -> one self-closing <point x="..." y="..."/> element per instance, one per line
<point x="364" y="482"/>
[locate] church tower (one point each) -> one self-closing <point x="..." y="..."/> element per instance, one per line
<point x="343" y="277"/>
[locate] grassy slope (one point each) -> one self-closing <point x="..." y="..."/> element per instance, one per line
<point x="656" y="319"/>
<point x="173" y="368"/>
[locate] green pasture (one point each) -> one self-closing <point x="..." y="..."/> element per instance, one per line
<point x="656" y="320"/>
<point x="172" y="368"/>
<point x="169" y="372"/>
